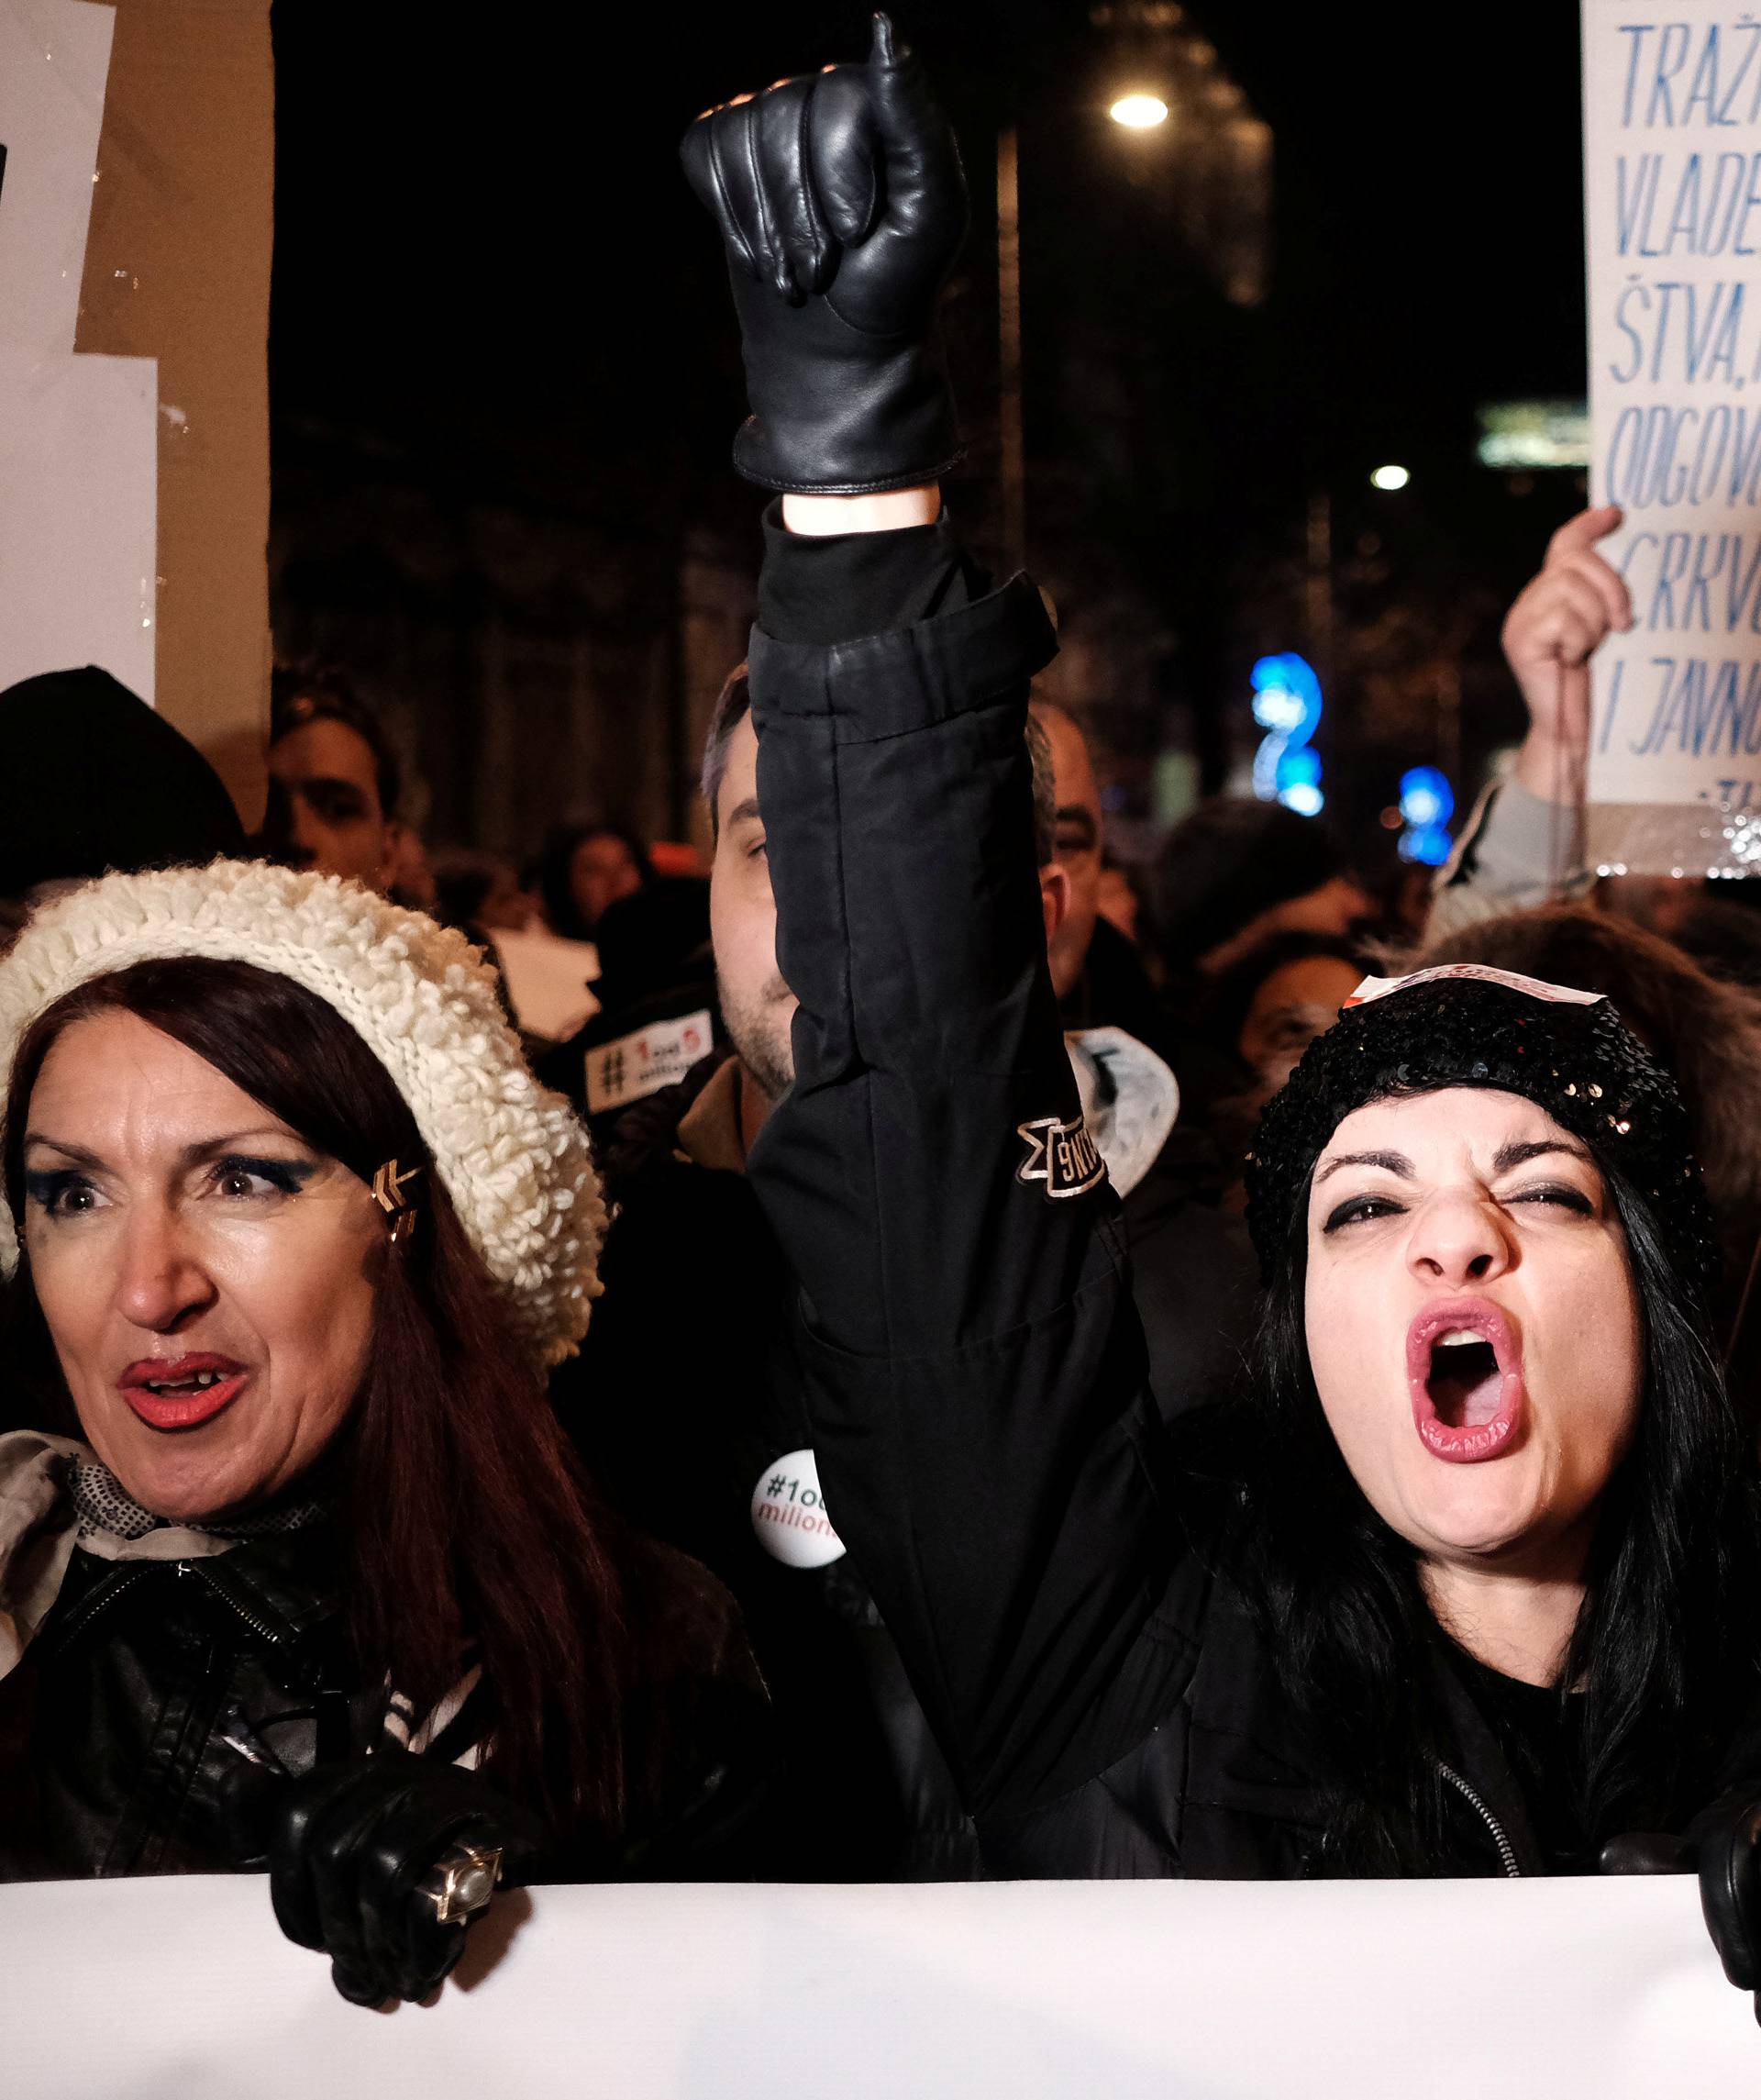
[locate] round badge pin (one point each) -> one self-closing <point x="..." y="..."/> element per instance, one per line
<point x="789" y="1514"/>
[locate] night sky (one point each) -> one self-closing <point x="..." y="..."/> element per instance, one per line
<point x="487" y="260"/>
<point x="482" y="214"/>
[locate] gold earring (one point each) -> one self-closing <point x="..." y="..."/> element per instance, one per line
<point x="399" y="1208"/>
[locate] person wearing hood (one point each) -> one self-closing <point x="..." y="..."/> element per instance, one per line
<point x="296" y="1571"/>
<point x="92" y="779"/>
<point x="1468" y="1590"/>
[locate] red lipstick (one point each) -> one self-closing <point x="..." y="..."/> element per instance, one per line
<point x="1464" y="1371"/>
<point x="181" y="1392"/>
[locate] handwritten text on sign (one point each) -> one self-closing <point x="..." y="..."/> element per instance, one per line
<point x="1672" y="131"/>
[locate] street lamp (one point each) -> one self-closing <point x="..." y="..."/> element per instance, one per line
<point x="1389" y="478"/>
<point x="1139" y="112"/>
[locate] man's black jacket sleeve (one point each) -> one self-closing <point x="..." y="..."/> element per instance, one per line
<point x="975" y="1368"/>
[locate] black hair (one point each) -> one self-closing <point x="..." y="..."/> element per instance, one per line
<point x="1227" y="862"/>
<point x="306" y="692"/>
<point x="556" y="862"/>
<point x="1668" y="1597"/>
<point x="1229" y="997"/>
<point x="733" y="705"/>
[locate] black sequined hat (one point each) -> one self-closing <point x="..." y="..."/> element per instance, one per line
<point x="1464" y="1026"/>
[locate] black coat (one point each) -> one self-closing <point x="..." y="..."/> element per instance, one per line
<point x="1062" y="1581"/>
<point x="687" y="1393"/>
<point x="118" y="1730"/>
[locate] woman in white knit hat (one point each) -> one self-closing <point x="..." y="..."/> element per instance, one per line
<point x="295" y="1570"/>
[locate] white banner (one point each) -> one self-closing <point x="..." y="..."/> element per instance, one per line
<point x="1559" y="1990"/>
<point x="78" y="434"/>
<point x="1672" y="184"/>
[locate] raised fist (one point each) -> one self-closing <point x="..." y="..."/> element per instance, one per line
<point x="842" y="207"/>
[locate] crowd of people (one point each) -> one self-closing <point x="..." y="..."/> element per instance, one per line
<point x="915" y="1354"/>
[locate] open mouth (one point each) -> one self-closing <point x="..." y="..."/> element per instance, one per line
<point x="1464" y="1380"/>
<point x="182" y="1394"/>
<point x="1465" y="1376"/>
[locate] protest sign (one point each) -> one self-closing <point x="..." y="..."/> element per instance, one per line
<point x="1536" y="1989"/>
<point x="1672" y="182"/>
<point x="78" y="436"/>
<point x="136" y="146"/>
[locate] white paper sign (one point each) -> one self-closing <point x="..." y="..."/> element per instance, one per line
<point x="1672" y="179"/>
<point x="1544" y="1990"/>
<point x="78" y="434"/>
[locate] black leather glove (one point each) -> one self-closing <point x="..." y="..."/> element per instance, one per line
<point x="1730" y="1893"/>
<point x="1724" y="1847"/>
<point x="842" y="203"/>
<point x="356" y="1852"/>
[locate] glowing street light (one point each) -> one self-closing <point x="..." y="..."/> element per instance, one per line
<point x="1287" y="706"/>
<point x="1427" y="803"/>
<point x="1389" y="478"/>
<point x="1139" y="112"/>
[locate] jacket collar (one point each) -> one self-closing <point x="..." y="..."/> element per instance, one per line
<point x="1130" y="1101"/>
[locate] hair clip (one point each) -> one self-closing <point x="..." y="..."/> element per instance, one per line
<point x="388" y="1193"/>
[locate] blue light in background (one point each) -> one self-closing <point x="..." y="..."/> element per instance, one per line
<point x="1287" y="706"/>
<point x="1427" y="803"/>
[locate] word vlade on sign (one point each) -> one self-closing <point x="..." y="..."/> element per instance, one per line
<point x="1287" y="706"/>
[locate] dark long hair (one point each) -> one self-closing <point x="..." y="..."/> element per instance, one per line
<point x="1663" y="1651"/>
<point x="556" y="871"/>
<point x="463" y="1515"/>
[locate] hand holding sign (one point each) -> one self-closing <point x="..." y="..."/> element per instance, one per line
<point x="1550" y="634"/>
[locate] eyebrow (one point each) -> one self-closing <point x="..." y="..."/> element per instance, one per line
<point x="192" y="1155"/>
<point x="1515" y="1154"/>
<point x="1078" y="819"/>
<point x="742" y="811"/>
<point x="1395" y="1163"/>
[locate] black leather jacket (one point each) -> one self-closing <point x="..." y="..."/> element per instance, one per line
<point x="124" y="1723"/>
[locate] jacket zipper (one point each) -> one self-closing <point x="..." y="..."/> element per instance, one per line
<point x="1506" y="1851"/>
<point x="226" y="1596"/>
<point x="89" y="1607"/>
<point x="92" y="1607"/>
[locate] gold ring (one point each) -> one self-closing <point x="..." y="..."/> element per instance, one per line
<point x="463" y="1881"/>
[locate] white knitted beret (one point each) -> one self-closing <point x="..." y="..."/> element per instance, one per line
<point x="513" y="1156"/>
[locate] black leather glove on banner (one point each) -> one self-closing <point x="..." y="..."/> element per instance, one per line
<point x="842" y="203"/>
<point x="1730" y="1893"/>
<point x="351" y="1848"/>
<point x="1724" y="1847"/>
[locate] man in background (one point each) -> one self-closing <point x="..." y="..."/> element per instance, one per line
<point x="333" y="782"/>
